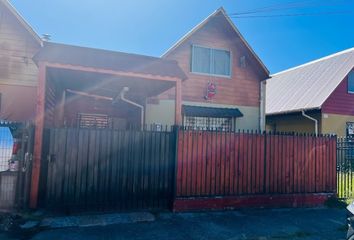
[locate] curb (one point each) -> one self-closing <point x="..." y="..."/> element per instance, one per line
<point x="96" y="220"/>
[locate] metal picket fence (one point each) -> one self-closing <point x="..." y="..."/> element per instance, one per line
<point x="345" y="167"/>
<point x="16" y="144"/>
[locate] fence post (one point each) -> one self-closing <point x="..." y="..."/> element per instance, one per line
<point x="23" y="181"/>
<point x="19" y="179"/>
<point x="335" y="164"/>
<point x="265" y="163"/>
<point x="174" y="178"/>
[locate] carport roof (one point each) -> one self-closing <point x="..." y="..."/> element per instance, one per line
<point x="108" y="60"/>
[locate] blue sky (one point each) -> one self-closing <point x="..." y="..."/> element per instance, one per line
<point x="151" y="27"/>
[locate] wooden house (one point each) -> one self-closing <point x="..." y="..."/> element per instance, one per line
<point x="314" y="97"/>
<point x="224" y="74"/>
<point x="18" y="72"/>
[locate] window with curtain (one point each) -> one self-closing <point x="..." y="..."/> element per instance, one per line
<point x="211" y="61"/>
<point x="351" y="82"/>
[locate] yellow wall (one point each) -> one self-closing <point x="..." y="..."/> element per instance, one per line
<point x="161" y="113"/>
<point x="293" y="123"/>
<point x="335" y="123"/>
<point x="328" y="123"/>
<point x="164" y="113"/>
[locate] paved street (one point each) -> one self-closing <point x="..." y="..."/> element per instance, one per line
<point x="231" y="225"/>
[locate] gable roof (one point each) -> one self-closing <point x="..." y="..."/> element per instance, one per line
<point x="21" y="20"/>
<point x="309" y="85"/>
<point x="108" y="60"/>
<point x="205" y="21"/>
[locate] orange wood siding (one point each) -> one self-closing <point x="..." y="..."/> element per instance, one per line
<point x="18" y="103"/>
<point x="18" y="73"/>
<point x="17" y="48"/>
<point x="244" y="85"/>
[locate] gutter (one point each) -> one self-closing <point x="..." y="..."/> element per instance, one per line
<point x="312" y="119"/>
<point x="122" y="97"/>
<point x="292" y="111"/>
<point x="262" y="111"/>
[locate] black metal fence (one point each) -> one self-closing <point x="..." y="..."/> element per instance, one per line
<point x="104" y="170"/>
<point x="345" y="167"/>
<point x="16" y="144"/>
<point x="97" y="169"/>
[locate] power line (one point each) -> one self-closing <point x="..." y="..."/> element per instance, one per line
<point x="291" y="5"/>
<point x="296" y="14"/>
<point x="274" y="7"/>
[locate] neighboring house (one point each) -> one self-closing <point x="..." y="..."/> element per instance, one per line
<point x="18" y="72"/>
<point x="321" y="91"/>
<point x="223" y="86"/>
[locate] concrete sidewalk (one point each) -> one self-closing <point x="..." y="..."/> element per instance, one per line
<point x="231" y="225"/>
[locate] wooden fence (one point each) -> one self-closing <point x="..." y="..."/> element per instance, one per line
<point x="92" y="169"/>
<point x="239" y="163"/>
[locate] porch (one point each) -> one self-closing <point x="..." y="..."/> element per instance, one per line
<point x="92" y="88"/>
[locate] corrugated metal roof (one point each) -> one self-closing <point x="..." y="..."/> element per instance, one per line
<point x="309" y="85"/>
<point x="105" y="59"/>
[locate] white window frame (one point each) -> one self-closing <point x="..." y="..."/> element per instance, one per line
<point x="210" y="74"/>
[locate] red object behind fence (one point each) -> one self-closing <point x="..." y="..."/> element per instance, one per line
<point x="220" y="164"/>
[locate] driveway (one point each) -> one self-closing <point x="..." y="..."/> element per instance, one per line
<point x="259" y="224"/>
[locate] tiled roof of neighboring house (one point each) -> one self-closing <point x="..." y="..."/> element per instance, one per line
<point x="309" y="85"/>
<point x="21" y="20"/>
<point x="206" y="20"/>
<point x="108" y="60"/>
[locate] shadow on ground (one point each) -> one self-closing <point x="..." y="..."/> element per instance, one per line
<point x="323" y="223"/>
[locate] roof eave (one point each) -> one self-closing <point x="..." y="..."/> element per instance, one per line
<point x="202" y="23"/>
<point x="292" y="111"/>
<point x="246" y="43"/>
<point x="188" y="34"/>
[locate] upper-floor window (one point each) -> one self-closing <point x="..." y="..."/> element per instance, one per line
<point x="211" y="61"/>
<point x="351" y="82"/>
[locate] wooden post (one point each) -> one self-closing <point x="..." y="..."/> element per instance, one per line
<point x="60" y="122"/>
<point x="178" y="103"/>
<point x="38" y="135"/>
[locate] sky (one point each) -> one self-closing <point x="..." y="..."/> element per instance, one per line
<point x="305" y="31"/>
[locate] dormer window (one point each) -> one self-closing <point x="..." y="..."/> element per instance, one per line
<point x="210" y="61"/>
